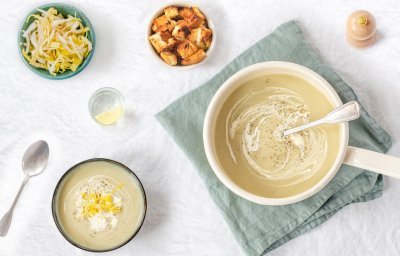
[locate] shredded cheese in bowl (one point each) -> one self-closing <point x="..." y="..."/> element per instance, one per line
<point x="99" y="204"/>
<point x="55" y="43"/>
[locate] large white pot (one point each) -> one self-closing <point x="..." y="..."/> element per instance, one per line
<point x="348" y="155"/>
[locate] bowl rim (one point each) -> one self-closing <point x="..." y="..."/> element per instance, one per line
<point x="158" y="13"/>
<point x="59" y="76"/>
<point x="219" y="98"/>
<point x="58" y="186"/>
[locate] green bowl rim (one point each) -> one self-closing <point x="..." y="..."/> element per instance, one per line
<point x="65" y="175"/>
<point x="59" y="76"/>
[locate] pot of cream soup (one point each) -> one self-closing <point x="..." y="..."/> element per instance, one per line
<point x="244" y="142"/>
<point x="99" y="205"/>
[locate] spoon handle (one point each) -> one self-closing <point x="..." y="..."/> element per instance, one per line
<point x="302" y="127"/>
<point x="347" y="112"/>
<point x="6" y="220"/>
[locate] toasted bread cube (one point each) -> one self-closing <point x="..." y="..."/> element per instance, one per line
<point x="194" y="21"/>
<point x="193" y="16"/>
<point x="165" y="35"/>
<point x="171" y="43"/>
<point x="185" y="12"/>
<point x="181" y="30"/>
<point x="198" y="13"/>
<point x="163" y="23"/>
<point x="186" y="49"/>
<point x="169" y="57"/>
<point x="181" y="23"/>
<point x="203" y="24"/>
<point x="195" y="58"/>
<point x="171" y="12"/>
<point x="208" y="43"/>
<point x="199" y="36"/>
<point x="157" y="42"/>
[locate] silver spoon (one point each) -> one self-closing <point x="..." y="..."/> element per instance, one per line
<point x="33" y="162"/>
<point x="347" y="112"/>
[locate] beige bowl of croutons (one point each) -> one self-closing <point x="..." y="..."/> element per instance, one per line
<point x="180" y="35"/>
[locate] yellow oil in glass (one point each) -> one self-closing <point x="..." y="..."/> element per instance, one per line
<point x="111" y="116"/>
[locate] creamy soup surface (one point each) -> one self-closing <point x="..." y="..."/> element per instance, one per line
<point x="100" y="205"/>
<point x="249" y="142"/>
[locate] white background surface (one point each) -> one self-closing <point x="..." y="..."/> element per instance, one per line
<point x="181" y="220"/>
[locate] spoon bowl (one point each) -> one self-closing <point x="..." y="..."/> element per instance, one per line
<point x="35" y="158"/>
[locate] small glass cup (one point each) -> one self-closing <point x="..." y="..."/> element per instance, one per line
<point x="106" y="106"/>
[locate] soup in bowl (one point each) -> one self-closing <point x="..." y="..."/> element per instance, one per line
<point x="243" y="133"/>
<point x="99" y="205"/>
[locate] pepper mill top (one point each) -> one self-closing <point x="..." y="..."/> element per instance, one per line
<point x="361" y="28"/>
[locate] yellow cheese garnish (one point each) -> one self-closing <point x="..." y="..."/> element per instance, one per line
<point x="95" y="203"/>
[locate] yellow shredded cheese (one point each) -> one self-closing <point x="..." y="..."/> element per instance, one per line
<point x="94" y="203"/>
<point x="55" y="43"/>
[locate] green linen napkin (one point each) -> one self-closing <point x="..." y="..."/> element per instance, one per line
<point x="260" y="229"/>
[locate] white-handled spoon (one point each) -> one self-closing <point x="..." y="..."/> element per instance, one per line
<point x="33" y="162"/>
<point x="347" y="112"/>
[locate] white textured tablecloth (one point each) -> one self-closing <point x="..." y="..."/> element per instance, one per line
<point x="181" y="219"/>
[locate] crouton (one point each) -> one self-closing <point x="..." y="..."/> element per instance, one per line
<point x="181" y="30"/>
<point x="186" y="49"/>
<point x="194" y="21"/>
<point x="208" y="43"/>
<point x="185" y="12"/>
<point x="198" y="13"/>
<point x="203" y="24"/>
<point x="165" y="35"/>
<point x="169" y="57"/>
<point x="199" y="36"/>
<point x="193" y="16"/>
<point x="172" y="43"/>
<point x="157" y="42"/>
<point x="195" y="58"/>
<point x="171" y="12"/>
<point x="163" y="23"/>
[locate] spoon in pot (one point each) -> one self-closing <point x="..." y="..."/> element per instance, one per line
<point x="33" y="162"/>
<point x="347" y="112"/>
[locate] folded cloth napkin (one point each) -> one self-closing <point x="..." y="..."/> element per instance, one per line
<point x="260" y="229"/>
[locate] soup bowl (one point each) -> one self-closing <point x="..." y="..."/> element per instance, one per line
<point x="131" y="196"/>
<point x="345" y="154"/>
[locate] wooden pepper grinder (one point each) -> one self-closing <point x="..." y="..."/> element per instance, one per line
<point x="361" y="29"/>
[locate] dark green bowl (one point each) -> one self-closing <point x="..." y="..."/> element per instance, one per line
<point x="64" y="9"/>
<point x="59" y="187"/>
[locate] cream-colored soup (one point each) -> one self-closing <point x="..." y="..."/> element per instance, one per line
<point x="100" y="205"/>
<point x="249" y="141"/>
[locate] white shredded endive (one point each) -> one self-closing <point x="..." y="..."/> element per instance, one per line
<point x="55" y="43"/>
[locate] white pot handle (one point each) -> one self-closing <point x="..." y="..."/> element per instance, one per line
<point x="373" y="161"/>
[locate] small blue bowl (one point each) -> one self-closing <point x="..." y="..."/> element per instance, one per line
<point x="64" y="9"/>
